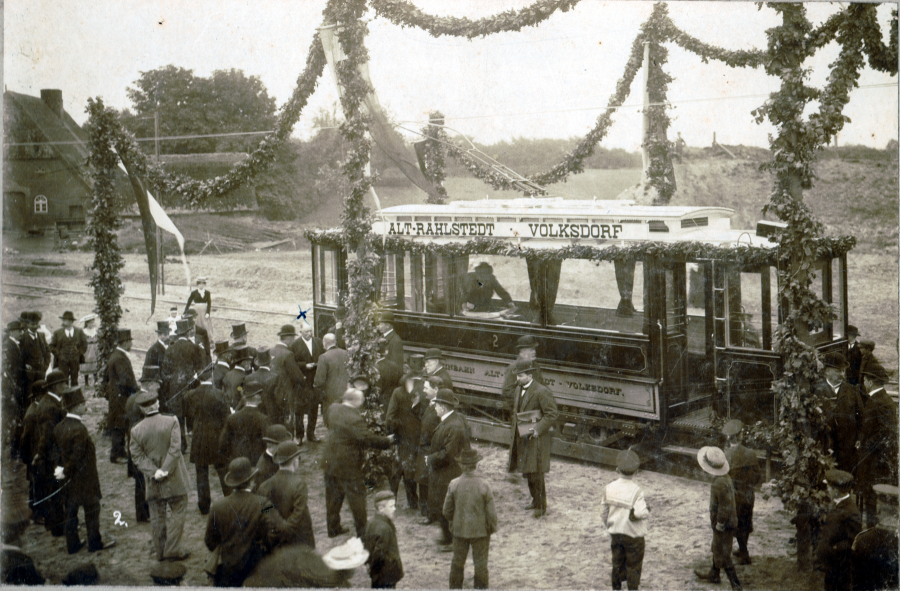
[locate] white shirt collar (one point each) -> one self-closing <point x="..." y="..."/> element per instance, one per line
<point x="74" y="416"/>
<point x="15" y="341"/>
<point x="163" y="343"/>
<point x="202" y="292"/>
<point x="70" y="331"/>
<point x="843" y="498"/>
<point x="389" y="332"/>
<point x="223" y="363"/>
<point x="265" y="367"/>
<point x="58" y="398"/>
<point x="122" y="350"/>
<point x="280" y="343"/>
<point x="446" y="415"/>
<point x="835" y="387"/>
<point x="528" y="385"/>
<point x="879" y="389"/>
<point x="206" y="383"/>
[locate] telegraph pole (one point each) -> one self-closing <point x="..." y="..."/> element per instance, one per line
<point x="160" y="254"/>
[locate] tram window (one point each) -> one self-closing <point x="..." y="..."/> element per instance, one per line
<point x="497" y="287"/>
<point x="391" y="281"/>
<point x="837" y="296"/>
<point x="326" y="276"/>
<point x="594" y="295"/>
<point x="413" y="293"/>
<point x="752" y="303"/>
<point x="441" y="273"/>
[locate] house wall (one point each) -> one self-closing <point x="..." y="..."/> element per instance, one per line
<point x="66" y="196"/>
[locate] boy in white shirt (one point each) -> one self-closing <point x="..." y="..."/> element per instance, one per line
<point x="625" y="514"/>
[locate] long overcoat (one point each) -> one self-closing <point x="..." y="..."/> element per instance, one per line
<point x="74" y="450"/>
<point x="120" y="385"/>
<point x="449" y="440"/>
<point x="205" y="412"/>
<point x="532" y="454"/>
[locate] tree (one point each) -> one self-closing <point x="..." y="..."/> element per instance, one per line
<point x="226" y="102"/>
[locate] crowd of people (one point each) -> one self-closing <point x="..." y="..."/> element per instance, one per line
<point x="245" y="412"/>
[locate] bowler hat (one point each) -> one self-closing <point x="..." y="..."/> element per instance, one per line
<point x="36" y="316"/>
<point x="72" y="397"/>
<point x="386" y="317"/>
<point x="839" y="479"/>
<point x="263" y="356"/>
<point x="484" y="267"/>
<point x="150" y="373"/>
<point x="875" y="372"/>
<point x="732" y="427"/>
<point x="276" y="434"/>
<point x="383" y="495"/>
<point x="628" y="461"/>
<point x="162" y="326"/>
<point x="286" y="451"/>
<point x="340" y="313"/>
<point x="287" y="329"/>
<point x="867" y="344"/>
<point x="145" y="398"/>
<point x="446" y="397"/>
<point x="221" y="347"/>
<point x="527" y="342"/>
<point x="523" y="366"/>
<point x="67" y="315"/>
<point x="53" y="378"/>
<point x="852" y="330"/>
<point x="26" y="316"/>
<point x="238" y="331"/>
<point x="713" y="461"/>
<point x="433" y="353"/>
<point x="14" y="325"/>
<point x="469" y="456"/>
<point x="417" y="362"/>
<point x="240" y="471"/>
<point x="123" y="335"/>
<point x="834" y="359"/>
<point x="347" y="556"/>
<point x="167" y="573"/>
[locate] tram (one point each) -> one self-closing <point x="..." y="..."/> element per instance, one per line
<point x="654" y="324"/>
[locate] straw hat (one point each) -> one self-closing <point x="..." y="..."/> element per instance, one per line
<point x="347" y="556"/>
<point x="712" y="460"/>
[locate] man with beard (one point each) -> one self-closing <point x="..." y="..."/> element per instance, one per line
<point x="307" y="350"/>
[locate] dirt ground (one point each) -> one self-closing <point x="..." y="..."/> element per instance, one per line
<point x="568" y="549"/>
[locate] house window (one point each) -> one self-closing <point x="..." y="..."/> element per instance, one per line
<point x="40" y="204"/>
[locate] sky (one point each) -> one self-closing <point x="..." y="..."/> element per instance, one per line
<point x="549" y="81"/>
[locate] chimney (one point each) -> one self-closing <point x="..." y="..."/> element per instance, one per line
<point x="52" y="97"/>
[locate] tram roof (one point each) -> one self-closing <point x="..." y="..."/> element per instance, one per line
<point x="555" y="221"/>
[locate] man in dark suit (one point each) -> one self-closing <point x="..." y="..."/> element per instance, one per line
<point x="182" y="364"/>
<point x="745" y="474"/>
<point x="527" y="350"/>
<point x="403" y="419"/>
<point x="433" y="367"/>
<point x="199" y="336"/>
<point x="331" y="376"/>
<point x="76" y="471"/>
<point x="156" y="451"/>
<point x="120" y="385"/>
<point x="530" y="452"/>
<point x="854" y="356"/>
<point x="14" y="387"/>
<point x="275" y="435"/>
<point x="480" y="287"/>
<point x="845" y="418"/>
<point x="307" y="349"/>
<point x="394" y="342"/>
<point x="878" y="446"/>
<point x="244" y="430"/>
<point x="430" y="421"/>
<point x="722" y="516"/>
<point x="342" y="461"/>
<point x="205" y="412"/>
<point x="876" y="552"/>
<point x="267" y="379"/>
<point x="288" y="492"/>
<point x="449" y="440"/>
<point x="389" y="373"/>
<point x="157" y="351"/>
<point x="37" y="450"/>
<point x="238" y="526"/>
<point x="289" y="377"/>
<point x="840" y="526"/>
<point x="35" y="351"/>
<point x="337" y="328"/>
<point x="68" y="346"/>
<point x="232" y="383"/>
<point x="222" y="366"/>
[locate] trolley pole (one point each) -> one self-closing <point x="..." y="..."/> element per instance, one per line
<point x="645" y="155"/>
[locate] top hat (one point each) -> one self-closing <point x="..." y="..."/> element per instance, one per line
<point x="145" y="398"/>
<point x="383" y="495"/>
<point x="14" y="325"/>
<point x="201" y="279"/>
<point x="867" y="344"/>
<point x="386" y="317"/>
<point x="340" y="313"/>
<point x="53" y="378"/>
<point x="484" y="267"/>
<point x="182" y="327"/>
<point x="852" y="331"/>
<point x="886" y="490"/>
<point x="276" y="434"/>
<point x="347" y="556"/>
<point x="835" y="359"/>
<point x="221" y="347"/>
<point x="445" y="396"/>
<point x="162" y="327"/>
<point x="240" y="471"/>
<point x="469" y="456"/>
<point x="241" y="353"/>
<point x="417" y="362"/>
<point x="263" y="356"/>
<point x="433" y="353"/>
<point x="287" y="329"/>
<point x="523" y="366"/>
<point x="628" y="461"/>
<point x="839" y="479"/>
<point x="167" y="573"/>
<point x="72" y="397"/>
<point x="150" y="373"/>
<point x="732" y="427"/>
<point x="713" y="461"/>
<point x="123" y="335"/>
<point x="286" y="451"/>
<point x="527" y="342"/>
<point x="238" y="331"/>
<point x="67" y="315"/>
<point x="875" y="372"/>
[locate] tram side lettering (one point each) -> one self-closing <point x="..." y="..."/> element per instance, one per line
<point x="575" y="230"/>
<point x="488" y="229"/>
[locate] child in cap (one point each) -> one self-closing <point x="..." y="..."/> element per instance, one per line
<point x="625" y="515"/>
<point x="380" y="539"/>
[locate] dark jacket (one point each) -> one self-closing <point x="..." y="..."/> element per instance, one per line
<point x="745" y="474"/>
<point x="347" y="437"/>
<point x="394" y="349"/>
<point x="508" y="389"/>
<point x="220" y="370"/>
<point x="202" y="340"/>
<point x="404" y="421"/>
<point x="71" y="349"/>
<point x="450" y="438"/>
<point x="266" y="466"/>
<point x="854" y="358"/>
<point x="303" y="356"/>
<point x="37" y="433"/>
<point x="238" y="526"/>
<point x="182" y="362"/>
<point x="289" y="494"/>
<point x="289" y="379"/>
<point x="469" y="507"/>
<point x="36" y="353"/>
<point x="430" y="422"/>
<point x="242" y="435"/>
<point x="295" y="567"/>
<point x="840" y="526"/>
<point x="389" y="377"/>
<point x="74" y="450"/>
<point x="380" y="539"/>
<point x="15" y="378"/>
<point x="155" y="355"/>
<point x="232" y="384"/>
<point x="876" y="560"/>
<point x="878" y="449"/>
<point x="480" y="287"/>
<point x="721" y="502"/>
<point x="120" y="385"/>
<point x="205" y="413"/>
<point x="845" y="424"/>
<point x="532" y="454"/>
<point x="195" y="298"/>
<point x="268" y="379"/>
<point x="331" y="376"/>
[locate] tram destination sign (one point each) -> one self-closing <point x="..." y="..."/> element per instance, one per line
<point x="611" y="230"/>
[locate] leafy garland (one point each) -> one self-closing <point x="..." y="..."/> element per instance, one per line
<point x="102" y="224"/>
<point x="405" y="14"/>
<point x="436" y="139"/>
<point x="660" y="172"/>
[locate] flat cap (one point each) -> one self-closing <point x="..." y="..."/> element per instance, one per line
<point x="628" y="461"/>
<point x="732" y="427"/>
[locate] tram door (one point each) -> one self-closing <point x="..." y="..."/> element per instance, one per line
<point x="674" y="337"/>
